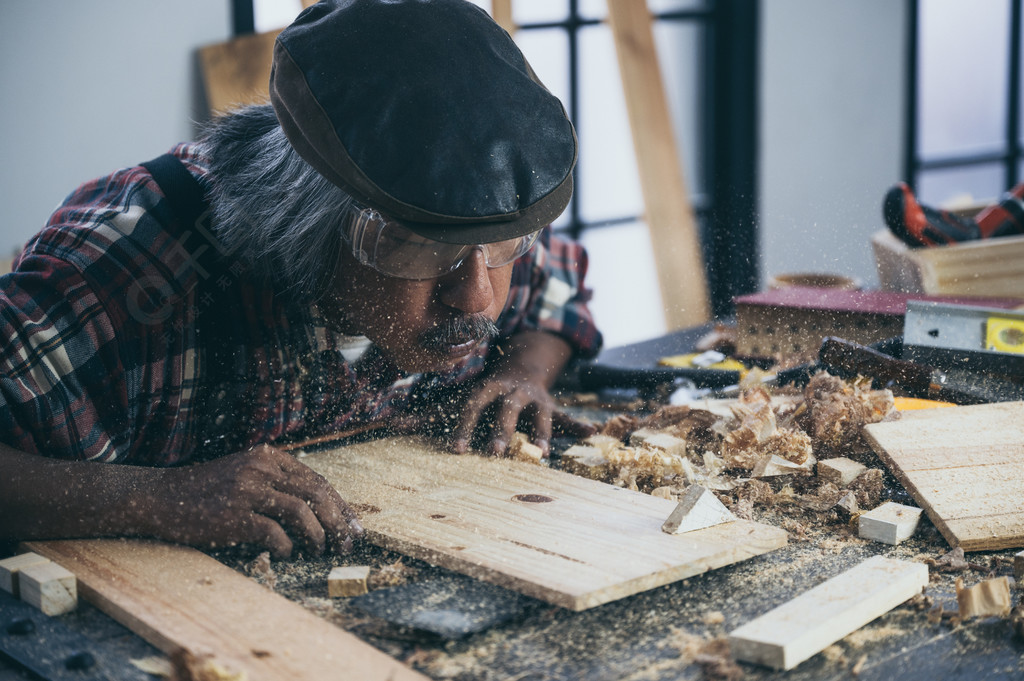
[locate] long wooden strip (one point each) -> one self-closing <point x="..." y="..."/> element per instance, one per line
<point x="786" y="636"/>
<point x="178" y="598"/>
<point x="670" y="217"/>
<point x="558" y="537"/>
<point x="964" y="467"/>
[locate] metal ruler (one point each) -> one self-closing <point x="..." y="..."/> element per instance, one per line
<point x="964" y="337"/>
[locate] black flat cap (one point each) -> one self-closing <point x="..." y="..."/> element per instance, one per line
<point x="427" y="111"/>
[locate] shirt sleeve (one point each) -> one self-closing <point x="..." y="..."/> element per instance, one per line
<point x="90" y="366"/>
<point x="61" y="395"/>
<point x="549" y="293"/>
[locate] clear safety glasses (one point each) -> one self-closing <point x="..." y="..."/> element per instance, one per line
<point x="393" y="249"/>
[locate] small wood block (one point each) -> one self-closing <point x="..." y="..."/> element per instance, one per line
<point x="522" y="449"/>
<point x="10" y="567"/>
<point x="49" y="587"/>
<point x="1018" y="568"/>
<point x="840" y="471"/>
<point x="789" y="634"/>
<point x="771" y="466"/>
<point x="991" y="597"/>
<point x="890" y="523"/>
<point x="346" y="581"/>
<point x="699" y="508"/>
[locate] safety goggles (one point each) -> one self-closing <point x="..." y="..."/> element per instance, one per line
<point x="396" y="251"/>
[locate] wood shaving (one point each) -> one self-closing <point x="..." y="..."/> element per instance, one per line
<point x="954" y="561"/>
<point x="391" y="574"/>
<point x="261" y="570"/>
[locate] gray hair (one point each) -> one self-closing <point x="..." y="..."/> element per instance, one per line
<point x="271" y="209"/>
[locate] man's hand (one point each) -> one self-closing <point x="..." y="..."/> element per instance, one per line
<point x="514" y="388"/>
<point x="263" y="497"/>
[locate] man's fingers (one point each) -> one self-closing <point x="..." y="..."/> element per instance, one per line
<point x="267" y="533"/>
<point x="542" y="427"/>
<point x="296" y="517"/>
<point x="333" y="516"/>
<point x="567" y="426"/>
<point x="471" y="414"/>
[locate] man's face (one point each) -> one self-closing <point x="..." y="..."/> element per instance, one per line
<point x="423" y="325"/>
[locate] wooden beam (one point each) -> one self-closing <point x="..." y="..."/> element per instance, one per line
<point x="789" y="634"/>
<point x="501" y="11"/>
<point x="179" y="599"/>
<point x="670" y="218"/>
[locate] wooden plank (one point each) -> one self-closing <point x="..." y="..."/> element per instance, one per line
<point x="794" y="631"/>
<point x="237" y="72"/>
<point x="558" y="537"/>
<point x="964" y="466"/>
<point x="178" y="598"/>
<point x="501" y="11"/>
<point x="670" y="217"/>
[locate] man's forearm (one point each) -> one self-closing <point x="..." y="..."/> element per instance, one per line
<point x="43" y="498"/>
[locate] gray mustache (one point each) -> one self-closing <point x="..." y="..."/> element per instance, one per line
<point x="458" y="330"/>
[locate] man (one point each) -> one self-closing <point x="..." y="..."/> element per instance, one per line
<point x="370" y="250"/>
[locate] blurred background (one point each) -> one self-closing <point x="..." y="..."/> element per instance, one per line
<point x="791" y="119"/>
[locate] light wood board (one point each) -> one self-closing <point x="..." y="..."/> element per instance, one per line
<point x="964" y="466"/>
<point x="237" y="72"/>
<point x="176" y="597"/>
<point x="789" y="634"/>
<point x="568" y="540"/>
<point x="670" y="218"/>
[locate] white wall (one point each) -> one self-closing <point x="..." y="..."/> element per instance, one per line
<point x="832" y="98"/>
<point x="89" y="87"/>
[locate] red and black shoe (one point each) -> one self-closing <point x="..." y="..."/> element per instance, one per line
<point x="918" y="225"/>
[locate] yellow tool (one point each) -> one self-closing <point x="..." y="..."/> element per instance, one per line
<point x="1004" y="334"/>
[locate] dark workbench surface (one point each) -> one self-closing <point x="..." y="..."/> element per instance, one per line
<point x="658" y="635"/>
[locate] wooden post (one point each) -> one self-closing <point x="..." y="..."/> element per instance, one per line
<point x="501" y="11"/>
<point x="670" y="218"/>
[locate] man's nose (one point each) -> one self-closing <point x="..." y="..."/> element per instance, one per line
<point x="468" y="288"/>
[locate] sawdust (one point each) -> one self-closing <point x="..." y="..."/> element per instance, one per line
<point x="874" y="634"/>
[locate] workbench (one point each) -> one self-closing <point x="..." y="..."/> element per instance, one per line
<point x="657" y="635"/>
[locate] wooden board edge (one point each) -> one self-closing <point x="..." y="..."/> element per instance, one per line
<point x="772" y="538"/>
<point x="257" y="664"/>
<point x="897" y="472"/>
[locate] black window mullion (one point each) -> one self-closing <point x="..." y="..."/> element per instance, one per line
<point x="1013" y="99"/>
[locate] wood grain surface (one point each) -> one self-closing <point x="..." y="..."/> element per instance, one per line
<point x="178" y="598"/>
<point x="964" y="466"/>
<point x="789" y="634"/>
<point x="558" y="537"/>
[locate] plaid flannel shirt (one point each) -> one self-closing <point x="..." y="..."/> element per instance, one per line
<point x="105" y="357"/>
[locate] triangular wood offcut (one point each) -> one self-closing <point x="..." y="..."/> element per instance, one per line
<point x="699" y="508"/>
